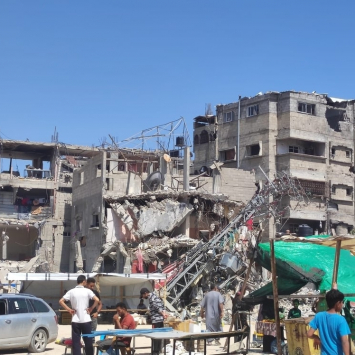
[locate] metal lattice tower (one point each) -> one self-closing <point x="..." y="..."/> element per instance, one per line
<point x="264" y="205"/>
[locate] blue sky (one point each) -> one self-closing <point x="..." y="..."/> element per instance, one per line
<point x="93" y="68"/>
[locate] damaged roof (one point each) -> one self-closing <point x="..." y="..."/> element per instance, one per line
<point x="172" y="194"/>
<point x="333" y="101"/>
<point x="9" y="146"/>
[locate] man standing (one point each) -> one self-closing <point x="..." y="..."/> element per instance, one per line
<point x="90" y="284"/>
<point x="212" y="306"/>
<point x="141" y="305"/>
<point x="79" y="298"/>
<point x="332" y="327"/>
<point x="157" y="313"/>
<point x="294" y="312"/>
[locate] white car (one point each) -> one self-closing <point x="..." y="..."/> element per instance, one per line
<point x="26" y="322"/>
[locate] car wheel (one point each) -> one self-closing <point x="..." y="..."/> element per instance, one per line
<point x="38" y="342"/>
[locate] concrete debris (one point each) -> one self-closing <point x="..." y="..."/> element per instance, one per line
<point x="152" y="217"/>
<point x="108" y="248"/>
<point x="33" y="265"/>
<point x="97" y="265"/>
<point x="155" y="246"/>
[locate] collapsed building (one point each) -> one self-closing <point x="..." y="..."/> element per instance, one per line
<point x="123" y="199"/>
<point x="59" y="204"/>
<point x="35" y="203"/>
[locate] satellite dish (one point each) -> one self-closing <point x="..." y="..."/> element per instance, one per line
<point x="154" y="180"/>
<point x="167" y="158"/>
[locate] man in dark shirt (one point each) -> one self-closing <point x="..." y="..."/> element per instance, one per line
<point x="90" y="284"/>
<point x="294" y="312"/>
<point x="142" y="306"/>
<point x="157" y="313"/>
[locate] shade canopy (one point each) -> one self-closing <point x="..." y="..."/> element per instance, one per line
<point x="309" y="259"/>
<point x="108" y="279"/>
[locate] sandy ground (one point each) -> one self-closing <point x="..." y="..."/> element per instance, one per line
<point x="65" y="331"/>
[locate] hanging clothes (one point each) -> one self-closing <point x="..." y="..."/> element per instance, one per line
<point x="139" y="256"/>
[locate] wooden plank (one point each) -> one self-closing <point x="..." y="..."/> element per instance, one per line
<point x="275" y="293"/>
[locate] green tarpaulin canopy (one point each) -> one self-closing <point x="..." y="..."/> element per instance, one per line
<point x="298" y="263"/>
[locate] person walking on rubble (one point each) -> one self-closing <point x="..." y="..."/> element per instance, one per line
<point x="79" y="298"/>
<point x="212" y="307"/>
<point x="333" y="328"/>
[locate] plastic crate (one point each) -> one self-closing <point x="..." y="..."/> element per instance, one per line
<point x="257" y="341"/>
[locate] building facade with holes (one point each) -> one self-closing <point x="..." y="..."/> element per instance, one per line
<point x="36" y="185"/>
<point x="307" y="135"/>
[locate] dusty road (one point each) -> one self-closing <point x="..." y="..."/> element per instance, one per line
<point x="65" y="330"/>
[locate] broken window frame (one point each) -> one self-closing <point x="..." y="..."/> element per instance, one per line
<point x="348" y="154"/>
<point x="306" y="108"/>
<point x="349" y="191"/>
<point x="334" y="190"/>
<point x="253" y="110"/>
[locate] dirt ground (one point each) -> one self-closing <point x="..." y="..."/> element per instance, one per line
<point x="65" y="331"/>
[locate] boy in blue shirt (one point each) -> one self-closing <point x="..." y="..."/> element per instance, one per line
<point x="332" y="327"/>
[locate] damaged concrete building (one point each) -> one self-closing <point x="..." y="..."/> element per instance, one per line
<point x="35" y="203"/>
<point x="308" y="135"/>
<point x="125" y="198"/>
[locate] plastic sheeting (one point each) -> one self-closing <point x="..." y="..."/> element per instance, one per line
<point x="310" y="262"/>
<point x="284" y="286"/>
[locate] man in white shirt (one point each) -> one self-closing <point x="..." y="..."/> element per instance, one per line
<point x="79" y="298"/>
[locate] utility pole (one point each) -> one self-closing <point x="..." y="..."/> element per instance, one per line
<point x="238" y="139"/>
<point x="186" y="168"/>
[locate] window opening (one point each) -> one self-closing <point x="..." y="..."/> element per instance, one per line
<point x="253" y="150"/>
<point x="227" y="154"/>
<point x="253" y="110"/>
<point x="293" y="149"/>
<point x="306" y="108"/>
<point x="95" y="220"/>
<point x="228" y="116"/>
<point x="204" y="137"/>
